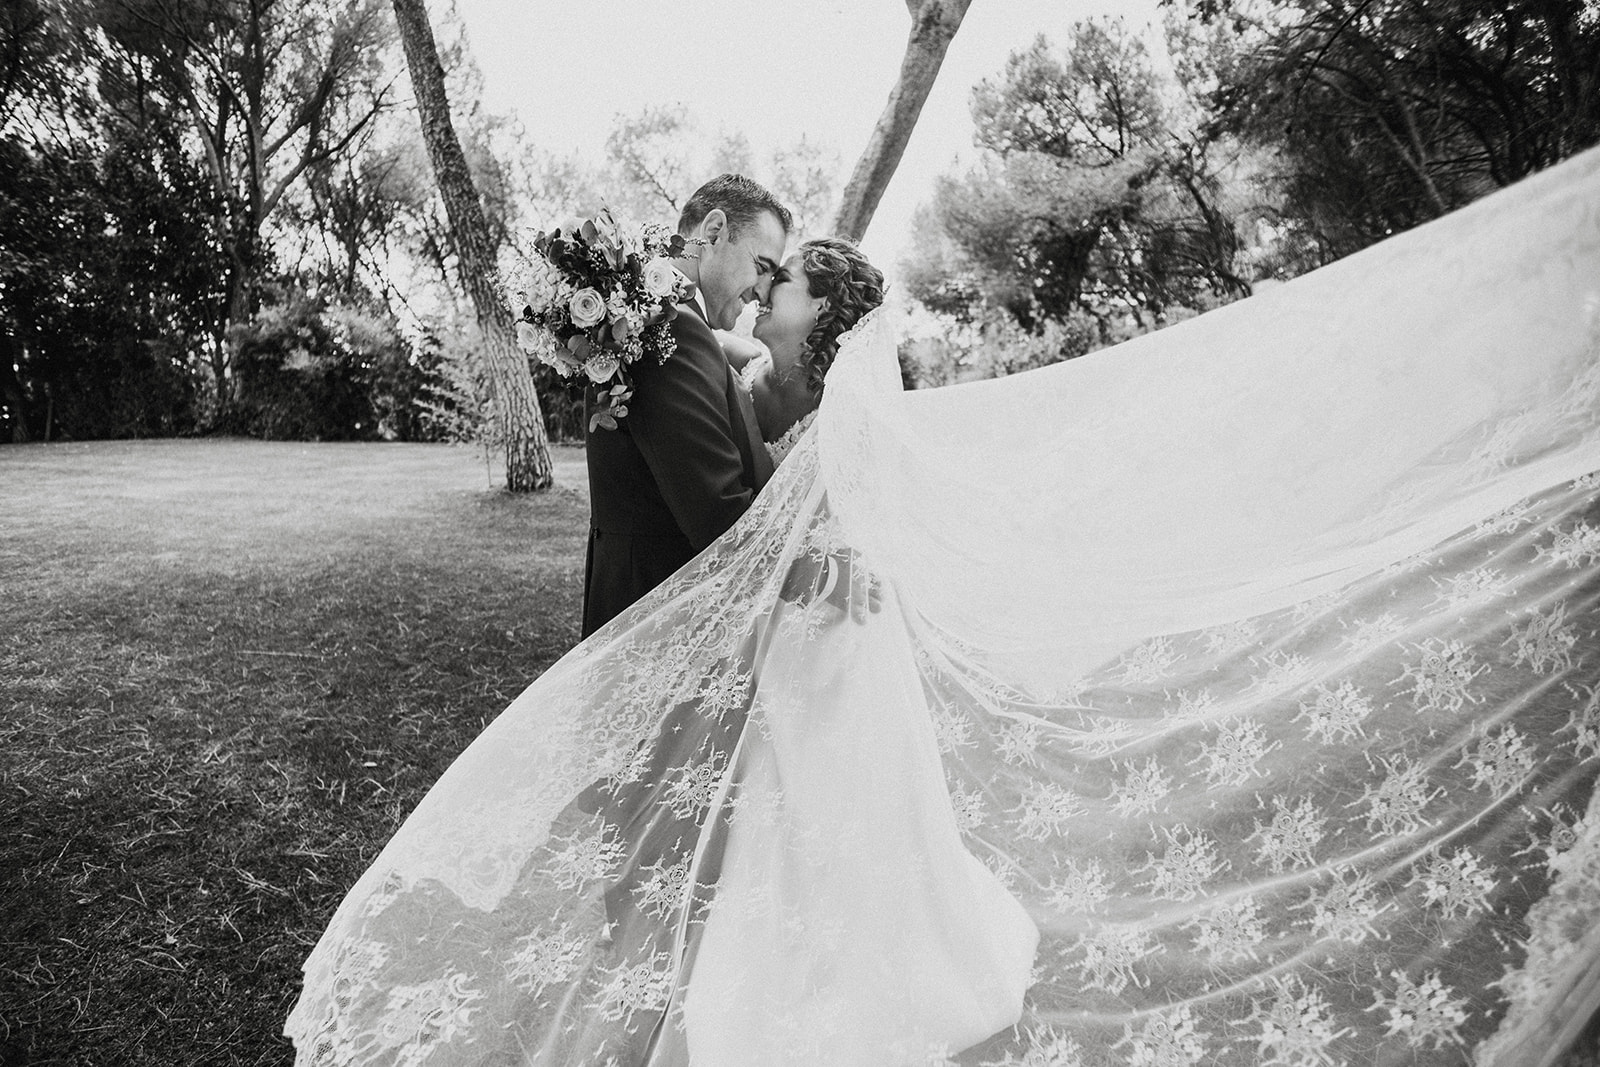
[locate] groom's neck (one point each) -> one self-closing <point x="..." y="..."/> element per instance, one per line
<point x="689" y="267"/>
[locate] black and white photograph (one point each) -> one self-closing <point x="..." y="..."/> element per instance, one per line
<point x="839" y="533"/>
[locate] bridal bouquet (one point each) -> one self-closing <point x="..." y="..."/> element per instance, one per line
<point x="595" y="298"/>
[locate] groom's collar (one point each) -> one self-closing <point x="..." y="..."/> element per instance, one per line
<point x="699" y="304"/>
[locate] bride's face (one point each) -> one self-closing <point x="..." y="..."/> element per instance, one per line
<point x="790" y="312"/>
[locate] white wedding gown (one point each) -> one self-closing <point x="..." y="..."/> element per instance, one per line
<point x="1234" y="699"/>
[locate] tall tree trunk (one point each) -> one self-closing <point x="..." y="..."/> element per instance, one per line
<point x="11" y="387"/>
<point x="516" y="402"/>
<point x="933" y="25"/>
<point x="243" y="302"/>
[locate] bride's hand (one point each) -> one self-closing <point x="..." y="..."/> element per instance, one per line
<point x="857" y="591"/>
<point x="740" y="350"/>
<point x="838" y="580"/>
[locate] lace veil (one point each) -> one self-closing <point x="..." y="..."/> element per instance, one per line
<point x="1233" y="697"/>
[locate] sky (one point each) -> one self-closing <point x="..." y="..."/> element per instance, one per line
<point x="772" y="69"/>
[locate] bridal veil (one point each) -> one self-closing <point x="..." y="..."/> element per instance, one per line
<point x="1233" y="698"/>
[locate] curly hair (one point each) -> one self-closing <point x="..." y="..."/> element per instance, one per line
<point x="838" y="272"/>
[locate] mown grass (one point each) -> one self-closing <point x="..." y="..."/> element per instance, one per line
<point x="227" y="670"/>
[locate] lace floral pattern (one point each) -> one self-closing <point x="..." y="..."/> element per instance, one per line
<point x="780" y="447"/>
<point x="1174" y="738"/>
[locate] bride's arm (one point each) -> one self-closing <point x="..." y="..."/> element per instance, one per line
<point x="822" y="572"/>
<point x="740" y="350"/>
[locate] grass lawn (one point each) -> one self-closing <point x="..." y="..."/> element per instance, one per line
<point x="227" y="669"/>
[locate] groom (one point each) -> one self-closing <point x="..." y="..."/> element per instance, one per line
<point x="687" y="460"/>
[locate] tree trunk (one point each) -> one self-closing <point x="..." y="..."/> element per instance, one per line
<point x="242" y="307"/>
<point x="933" y="25"/>
<point x="12" y="388"/>
<point x="520" y="423"/>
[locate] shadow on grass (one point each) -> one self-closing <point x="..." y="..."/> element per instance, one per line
<point x="227" y="671"/>
<point x="216" y="709"/>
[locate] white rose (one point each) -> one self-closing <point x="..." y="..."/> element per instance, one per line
<point x="660" y="277"/>
<point x="586" y="307"/>
<point x="531" y="339"/>
<point x="600" y="368"/>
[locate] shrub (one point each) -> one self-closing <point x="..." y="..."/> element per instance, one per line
<point x="308" y="369"/>
<point x="458" y="402"/>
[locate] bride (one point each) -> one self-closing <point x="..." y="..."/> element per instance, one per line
<point x="1232" y="697"/>
<point x="816" y="295"/>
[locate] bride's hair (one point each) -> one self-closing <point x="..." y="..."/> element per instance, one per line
<point x="838" y="272"/>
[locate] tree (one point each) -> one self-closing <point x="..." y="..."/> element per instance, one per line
<point x="33" y="75"/>
<point x="1101" y="103"/>
<point x="1100" y="192"/>
<point x="933" y="26"/>
<point x="521" y="424"/>
<point x="1387" y="113"/>
<point x="651" y="155"/>
<point x="802" y="176"/>
<point x="352" y="207"/>
<point x="658" y="155"/>
<point x="374" y="227"/>
<point x="271" y="88"/>
<point x="108" y="269"/>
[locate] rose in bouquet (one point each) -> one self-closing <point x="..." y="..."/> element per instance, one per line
<point x="594" y="298"/>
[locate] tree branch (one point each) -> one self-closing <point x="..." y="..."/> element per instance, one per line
<point x="933" y="24"/>
<point x="310" y="156"/>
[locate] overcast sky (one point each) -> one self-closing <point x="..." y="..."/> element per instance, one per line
<point x="771" y="69"/>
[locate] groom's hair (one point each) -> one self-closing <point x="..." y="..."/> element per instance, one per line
<point x="741" y="199"/>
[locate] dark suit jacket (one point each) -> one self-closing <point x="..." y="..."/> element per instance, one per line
<point x="678" y="471"/>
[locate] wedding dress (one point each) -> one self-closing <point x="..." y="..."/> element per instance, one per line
<point x="1233" y="698"/>
<point x="780" y="447"/>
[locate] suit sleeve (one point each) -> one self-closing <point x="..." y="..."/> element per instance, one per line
<point x="678" y="416"/>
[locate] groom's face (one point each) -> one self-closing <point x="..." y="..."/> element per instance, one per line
<point x="737" y="268"/>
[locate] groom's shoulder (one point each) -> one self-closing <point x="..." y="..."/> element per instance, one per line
<point x="695" y="340"/>
<point x="695" y="365"/>
<point x="689" y="317"/>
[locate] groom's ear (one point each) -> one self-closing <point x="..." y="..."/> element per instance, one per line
<point x="715" y="225"/>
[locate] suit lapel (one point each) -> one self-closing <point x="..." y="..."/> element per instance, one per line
<point x="741" y="415"/>
<point x="747" y="432"/>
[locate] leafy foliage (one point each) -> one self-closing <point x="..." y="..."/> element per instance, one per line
<point x="657" y="156"/>
<point x="1098" y="194"/>
<point x="309" y="369"/>
<point x="1277" y="136"/>
<point x="457" y="404"/>
<point x="129" y="275"/>
<point x="1387" y="113"/>
<point x="260" y="91"/>
<point x="218" y="215"/>
<point x="108" y="279"/>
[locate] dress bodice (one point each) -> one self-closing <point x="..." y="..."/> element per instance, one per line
<point x="786" y="441"/>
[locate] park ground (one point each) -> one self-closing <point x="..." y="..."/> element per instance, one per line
<point x="228" y="669"/>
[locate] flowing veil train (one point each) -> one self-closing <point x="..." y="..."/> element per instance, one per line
<point x="1234" y="699"/>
